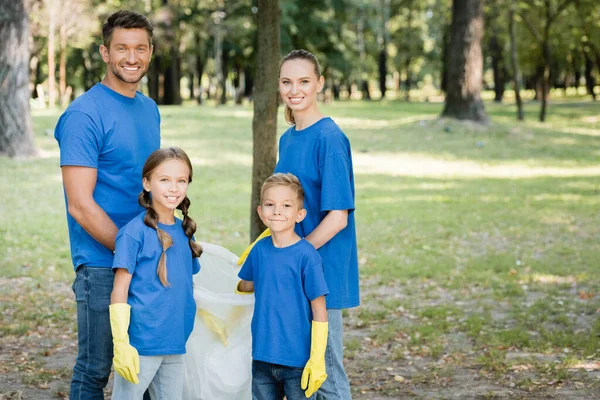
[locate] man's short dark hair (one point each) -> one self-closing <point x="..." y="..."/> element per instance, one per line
<point x="127" y="20"/>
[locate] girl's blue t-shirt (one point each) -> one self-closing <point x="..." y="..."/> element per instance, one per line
<point x="285" y="280"/>
<point x="321" y="158"/>
<point x="162" y="318"/>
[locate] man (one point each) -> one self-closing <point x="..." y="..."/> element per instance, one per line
<point x="105" y="137"/>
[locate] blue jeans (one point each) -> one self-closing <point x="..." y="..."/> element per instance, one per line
<point x="273" y="381"/>
<point x="92" y="288"/>
<point x="336" y="386"/>
<point x="161" y="375"/>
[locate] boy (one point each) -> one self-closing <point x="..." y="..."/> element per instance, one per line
<point x="289" y="326"/>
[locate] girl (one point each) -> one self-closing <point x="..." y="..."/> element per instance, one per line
<point x="152" y="306"/>
<point x="318" y="153"/>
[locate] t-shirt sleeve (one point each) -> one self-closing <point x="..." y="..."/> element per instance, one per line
<point x="337" y="187"/>
<point x="79" y="139"/>
<point x="126" y="252"/>
<point x="314" y="279"/>
<point x="196" y="265"/>
<point x="195" y="262"/>
<point x="247" y="271"/>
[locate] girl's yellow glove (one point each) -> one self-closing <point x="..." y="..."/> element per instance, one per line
<point x="126" y="359"/>
<point x="267" y="232"/>
<point x="314" y="373"/>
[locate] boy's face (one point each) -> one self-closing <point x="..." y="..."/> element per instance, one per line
<point x="280" y="209"/>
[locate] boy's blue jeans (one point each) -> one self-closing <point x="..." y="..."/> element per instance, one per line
<point x="92" y="288"/>
<point x="336" y="386"/>
<point x="273" y="381"/>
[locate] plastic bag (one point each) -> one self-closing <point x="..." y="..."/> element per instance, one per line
<point x="214" y="371"/>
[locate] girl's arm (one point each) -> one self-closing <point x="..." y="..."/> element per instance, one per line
<point x="319" y="309"/>
<point x="334" y="221"/>
<point x="121" y="286"/>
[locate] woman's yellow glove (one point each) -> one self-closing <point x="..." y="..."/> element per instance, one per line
<point x="314" y="373"/>
<point x="267" y="232"/>
<point x="126" y="359"/>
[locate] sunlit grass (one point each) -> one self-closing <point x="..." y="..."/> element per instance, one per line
<point x="503" y="220"/>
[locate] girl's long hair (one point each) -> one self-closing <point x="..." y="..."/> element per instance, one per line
<point x="299" y="55"/>
<point x="151" y="217"/>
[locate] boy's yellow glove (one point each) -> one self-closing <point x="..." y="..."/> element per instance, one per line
<point x="215" y="324"/>
<point x="126" y="359"/>
<point x="267" y="232"/>
<point x="314" y="373"/>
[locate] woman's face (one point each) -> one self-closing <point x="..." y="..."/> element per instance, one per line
<point x="299" y="85"/>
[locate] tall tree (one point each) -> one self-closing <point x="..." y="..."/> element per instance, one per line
<point x="264" y="122"/>
<point x="514" y="60"/>
<point x="465" y="62"/>
<point x="549" y="10"/>
<point x="16" y="136"/>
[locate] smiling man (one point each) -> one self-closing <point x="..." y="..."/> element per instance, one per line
<point x="105" y="136"/>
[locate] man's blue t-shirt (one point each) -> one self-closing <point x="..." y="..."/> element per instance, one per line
<point x="114" y="134"/>
<point x="321" y="158"/>
<point x="162" y="318"/>
<point x="285" y="280"/>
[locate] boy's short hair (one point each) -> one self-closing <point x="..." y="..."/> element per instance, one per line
<point x="288" y="180"/>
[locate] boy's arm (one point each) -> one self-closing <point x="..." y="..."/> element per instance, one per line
<point x="126" y="359"/>
<point x="314" y="373"/>
<point x="245" y="287"/>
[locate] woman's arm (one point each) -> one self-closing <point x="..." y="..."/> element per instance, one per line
<point x="334" y="221"/>
<point x="120" y="287"/>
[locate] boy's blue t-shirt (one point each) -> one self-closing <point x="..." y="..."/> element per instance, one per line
<point x="321" y="158"/>
<point x="114" y="134"/>
<point x="285" y="280"/>
<point x="162" y="318"/>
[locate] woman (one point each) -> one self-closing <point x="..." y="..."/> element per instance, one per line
<point x="318" y="153"/>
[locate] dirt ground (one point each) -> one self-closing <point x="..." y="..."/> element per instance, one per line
<point x="37" y="363"/>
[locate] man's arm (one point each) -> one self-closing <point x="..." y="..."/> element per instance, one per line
<point x="80" y="183"/>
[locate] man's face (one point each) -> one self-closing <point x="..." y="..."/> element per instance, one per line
<point x="128" y="55"/>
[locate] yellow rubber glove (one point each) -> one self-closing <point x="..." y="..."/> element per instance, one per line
<point x="215" y="324"/>
<point x="126" y="359"/>
<point x="314" y="373"/>
<point x="267" y="232"/>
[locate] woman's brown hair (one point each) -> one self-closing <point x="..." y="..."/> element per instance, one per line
<point x="151" y="217"/>
<point x="299" y="55"/>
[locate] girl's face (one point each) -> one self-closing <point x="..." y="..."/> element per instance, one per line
<point x="168" y="185"/>
<point x="299" y="85"/>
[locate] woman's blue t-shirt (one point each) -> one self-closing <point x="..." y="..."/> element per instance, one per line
<point x="321" y="158"/>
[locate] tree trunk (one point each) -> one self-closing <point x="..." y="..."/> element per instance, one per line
<point x="200" y="61"/>
<point x="16" y="135"/>
<point x="154" y="78"/>
<point x="465" y="63"/>
<point x="590" y="82"/>
<point x="514" y="58"/>
<point x="224" y="75"/>
<point x="51" y="57"/>
<point x="264" y="122"/>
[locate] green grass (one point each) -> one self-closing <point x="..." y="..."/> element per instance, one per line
<point x="488" y="233"/>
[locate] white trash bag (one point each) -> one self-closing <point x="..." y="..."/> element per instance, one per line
<point x="214" y="371"/>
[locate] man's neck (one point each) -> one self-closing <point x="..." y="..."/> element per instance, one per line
<point x="123" y="88"/>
